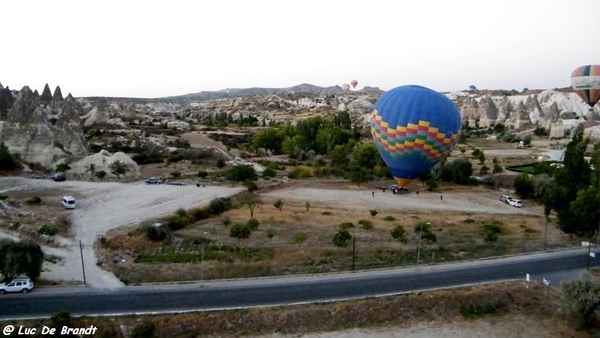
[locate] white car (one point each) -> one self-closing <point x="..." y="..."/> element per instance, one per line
<point x="68" y="202"/>
<point x="515" y="203"/>
<point x="23" y="285"/>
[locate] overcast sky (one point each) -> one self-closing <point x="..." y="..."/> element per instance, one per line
<point x="162" y="48"/>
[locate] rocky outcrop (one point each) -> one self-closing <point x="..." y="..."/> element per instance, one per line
<point x="41" y="132"/>
<point x="87" y="166"/>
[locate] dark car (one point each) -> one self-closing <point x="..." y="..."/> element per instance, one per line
<point x="58" y="177"/>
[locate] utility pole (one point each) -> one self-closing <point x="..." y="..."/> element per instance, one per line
<point x="82" y="266"/>
<point x="202" y="258"/>
<point x="419" y="245"/>
<point x="353" y="251"/>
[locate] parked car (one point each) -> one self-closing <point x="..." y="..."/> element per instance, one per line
<point x="505" y="198"/>
<point x="68" y="202"/>
<point x="515" y="203"/>
<point x="58" y="177"/>
<point x="155" y="180"/>
<point x="23" y="285"/>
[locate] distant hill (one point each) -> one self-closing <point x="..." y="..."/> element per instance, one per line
<point x="304" y="88"/>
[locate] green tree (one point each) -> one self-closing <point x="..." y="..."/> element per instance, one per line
<point x="359" y="175"/>
<point x="458" y="171"/>
<point x="338" y="156"/>
<point x="270" y="139"/>
<point x="241" y="173"/>
<point x="366" y="156"/>
<point x="220" y="163"/>
<point x="62" y="167"/>
<point x="585" y="211"/>
<point x="239" y="231"/>
<point x="582" y="297"/>
<point x="251" y="201"/>
<point x="341" y="238"/>
<point x="101" y="174"/>
<point x="23" y="257"/>
<point x="7" y="160"/>
<point x="524" y="185"/>
<point x="118" y="168"/>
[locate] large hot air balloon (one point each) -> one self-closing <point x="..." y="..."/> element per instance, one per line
<point x="585" y="80"/>
<point x="414" y="128"/>
<point x="345" y="87"/>
<point x="353" y="83"/>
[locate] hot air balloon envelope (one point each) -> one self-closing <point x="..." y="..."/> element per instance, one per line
<point x="585" y="80"/>
<point x="414" y="128"/>
<point x="353" y="83"/>
<point x="345" y="87"/>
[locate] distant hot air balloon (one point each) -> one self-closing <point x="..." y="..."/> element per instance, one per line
<point x="345" y="87"/>
<point x="585" y="80"/>
<point x="414" y="128"/>
<point x="353" y="83"/>
<point x="472" y="87"/>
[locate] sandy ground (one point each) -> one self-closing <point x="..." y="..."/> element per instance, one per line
<point x="102" y="206"/>
<point x="476" y="202"/>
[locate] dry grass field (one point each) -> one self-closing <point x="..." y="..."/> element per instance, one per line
<point x="298" y="238"/>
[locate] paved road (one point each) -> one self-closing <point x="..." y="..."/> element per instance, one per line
<point x="300" y="289"/>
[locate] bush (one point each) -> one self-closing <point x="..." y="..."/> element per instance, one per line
<point x="491" y="232"/>
<point x="178" y="222"/>
<point x="226" y="221"/>
<point x="252" y="223"/>
<point x="144" y="330"/>
<point x="239" y="231"/>
<point x="199" y="214"/>
<point x="373" y="212"/>
<point x="155" y="233"/>
<point x="341" y="238"/>
<point x="299" y="172"/>
<point x="300" y="237"/>
<point x="472" y="311"/>
<point x="219" y="205"/>
<point x="202" y="173"/>
<point x="389" y="218"/>
<point x="399" y="233"/>
<point x="47" y="230"/>
<point x="241" y="173"/>
<point x="346" y="225"/>
<point x="34" y="200"/>
<point x="366" y="224"/>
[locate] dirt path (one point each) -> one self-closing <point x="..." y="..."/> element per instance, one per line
<point x="104" y="206"/>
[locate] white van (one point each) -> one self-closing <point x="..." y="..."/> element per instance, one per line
<point x="68" y="202"/>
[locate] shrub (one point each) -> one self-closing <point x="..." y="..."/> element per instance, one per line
<point x="346" y="225"/>
<point x="491" y="232"/>
<point x="341" y="238"/>
<point x="300" y="237"/>
<point x="145" y="329"/>
<point x="34" y="200"/>
<point x="389" y="218"/>
<point x="270" y="233"/>
<point x="219" y="205"/>
<point x="278" y="204"/>
<point x="424" y="230"/>
<point x="269" y="172"/>
<point x="326" y="213"/>
<point x="226" y="221"/>
<point x="198" y="214"/>
<point x="47" y="230"/>
<point x="239" y="231"/>
<point x="155" y="233"/>
<point x="373" y="212"/>
<point x="399" y="233"/>
<point x="181" y="212"/>
<point x="253" y="223"/>
<point x="366" y="224"/>
<point x="3" y="197"/>
<point x="299" y="172"/>
<point x="178" y="222"/>
<point x="472" y="311"/>
<point x="202" y="173"/>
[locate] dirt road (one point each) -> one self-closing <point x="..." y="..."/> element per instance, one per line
<point x="104" y="206"/>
